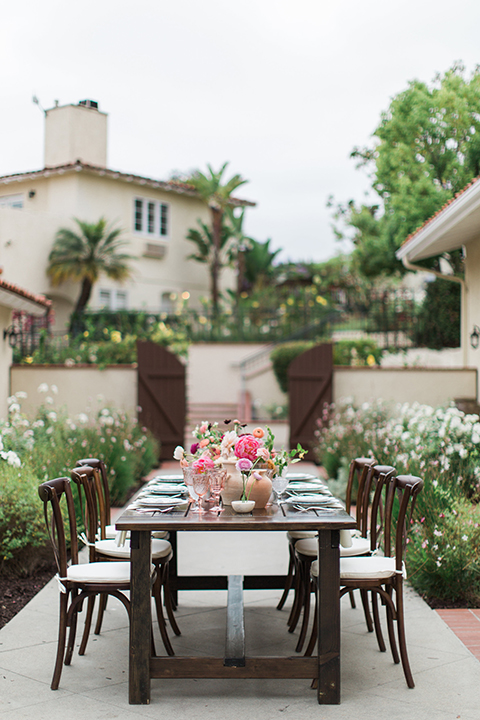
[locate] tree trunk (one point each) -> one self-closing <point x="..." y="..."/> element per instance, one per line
<point x="217" y="234"/>
<point x="83" y="298"/>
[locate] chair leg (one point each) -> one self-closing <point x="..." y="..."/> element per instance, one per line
<point x="168" y="601"/>
<point x="299" y="597"/>
<point x="306" y="608"/>
<point x="289" y="578"/>
<point x="377" y="624"/>
<point x="72" y="633"/>
<point x="87" y="625"/>
<point x="157" y="594"/>
<point x="313" y="636"/>
<point x="391" y="631"/>
<point x="351" y="595"/>
<point x="366" y="610"/>
<point x="101" y="609"/>
<point x="401" y="636"/>
<point x="62" y="635"/>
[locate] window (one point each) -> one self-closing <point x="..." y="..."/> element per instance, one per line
<point x="11" y="201"/>
<point x="113" y="299"/>
<point x="152" y="218"/>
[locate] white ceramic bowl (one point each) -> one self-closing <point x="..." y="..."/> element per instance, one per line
<point x="241" y="506"/>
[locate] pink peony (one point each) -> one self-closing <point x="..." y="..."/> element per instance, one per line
<point x="203" y="464"/>
<point x="246" y="447"/>
<point x="244" y="465"/>
<point x="263" y="454"/>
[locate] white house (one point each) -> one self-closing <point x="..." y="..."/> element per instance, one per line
<point x="154" y="216"/>
<point x="455" y="226"/>
<point x="14" y="298"/>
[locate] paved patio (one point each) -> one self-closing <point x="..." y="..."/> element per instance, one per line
<point x="446" y="673"/>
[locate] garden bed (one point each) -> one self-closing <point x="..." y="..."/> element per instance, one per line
<point x="16" y="592"/>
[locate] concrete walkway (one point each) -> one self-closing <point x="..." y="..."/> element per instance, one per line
<point x="446" y="673"/>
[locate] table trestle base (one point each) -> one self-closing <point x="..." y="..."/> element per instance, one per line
<point x="255" y="667"/>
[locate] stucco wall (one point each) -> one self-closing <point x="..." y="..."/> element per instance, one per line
<point x="5" y="359"/>
<point x="213" y="376"/>
<point x="472" y="280"/>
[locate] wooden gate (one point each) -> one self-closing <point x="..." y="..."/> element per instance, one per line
<point x="161" y="396"/>
<point x="310" y="378"/>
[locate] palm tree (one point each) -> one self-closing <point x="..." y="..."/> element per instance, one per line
<point x="243" y="243"/>
<point x="206" y="252"/>
<point x="83" y="257"/>
<point x="217" y="197"/>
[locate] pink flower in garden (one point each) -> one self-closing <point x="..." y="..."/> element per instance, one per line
<point x="244" y="464"/>
<point x="203" y="464"/>
<point x="246" y="447"/>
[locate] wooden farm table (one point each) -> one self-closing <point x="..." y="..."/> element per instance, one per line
<point x="325" y="666"/>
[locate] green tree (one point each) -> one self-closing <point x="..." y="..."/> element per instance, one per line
<point x="259" y="267"/>
<point x="82" y="257"/>
<point x="426" y="148"/>
<point x="217" y="195"/>
<point x="215" y="256"/>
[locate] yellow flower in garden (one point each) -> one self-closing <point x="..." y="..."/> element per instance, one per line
<point x="86" y="333"/>
<point x="116" y="336"/>
<point x="29" y="359"/>
<point x="321" y="300"/>
<point x="371" y="360"/>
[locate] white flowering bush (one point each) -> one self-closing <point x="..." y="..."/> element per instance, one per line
<point x="48" y="445"/>
<point x="441" y="445"/>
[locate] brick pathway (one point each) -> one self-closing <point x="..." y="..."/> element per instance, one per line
<point x="466" y="626"/>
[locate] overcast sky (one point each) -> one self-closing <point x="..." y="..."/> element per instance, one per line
<point x="282" y="90"/>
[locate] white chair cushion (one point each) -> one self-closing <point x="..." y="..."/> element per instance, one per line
<point x="359" y="546"/>
<point x="308" y="546"/>
<point x="111" y="533"/>
<point x="368" y="568"/>
<point x="100" y="572"/>
<point x="160" y="549"/>
<point x="300" y="534"/>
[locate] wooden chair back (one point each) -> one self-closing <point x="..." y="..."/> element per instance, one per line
<point x="102" y="491"/>
<point x="358" y="472"/>
<point x="400" y="501"/>
<point x="85" y="478"/>
<point x="55" y="494"/>
<point x="372" y="513"/>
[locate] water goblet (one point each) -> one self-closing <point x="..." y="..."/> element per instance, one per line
<point x="188" y="475"/>
<point x="279" y="485"/>
<point x="201" y="486"/>
<point x="217" y="479"/>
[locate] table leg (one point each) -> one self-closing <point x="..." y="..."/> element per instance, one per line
<point x="328" y="617"/>
<point x="141" y="618"/>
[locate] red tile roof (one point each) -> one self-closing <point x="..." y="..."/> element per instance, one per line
<point x="447" y="204"/>
<point x="174" y="186"/>
<point x="7" y="288"/>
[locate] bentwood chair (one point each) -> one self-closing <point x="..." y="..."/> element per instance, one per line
<point x="384" y="576"/>
<point x="88" y="482"/>
<point x="364" y="541"/>
<point x="76" y="581"/>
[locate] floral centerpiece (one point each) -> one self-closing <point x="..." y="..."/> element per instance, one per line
<point x="252" y="455"/>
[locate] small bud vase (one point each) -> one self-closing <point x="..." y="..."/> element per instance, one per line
<point x="260" y="490"/>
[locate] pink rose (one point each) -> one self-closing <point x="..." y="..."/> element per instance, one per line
<point x="203" y="464"/>
<point x="246" y="447"/>
<point x="244" y="465"/>
<point x="263" y="454"/>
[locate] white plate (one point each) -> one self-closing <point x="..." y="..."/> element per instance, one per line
<point x="149" y="501"/>
<point x="177" y="477"/>
<point x="300" y="476"/>
<point x="307" y="487"/>
<point x="166" y="489"/>
<point x="313" y="500"/>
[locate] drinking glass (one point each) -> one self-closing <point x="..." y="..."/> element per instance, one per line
<point x="279" y="485"/>
<point x="201" y="486"/>
<point x="217" y="479"/>
<point x="188" y="475"/>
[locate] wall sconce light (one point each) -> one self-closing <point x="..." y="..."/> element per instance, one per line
<point x="31" y="194"/>
<point x="11" y="334"/>
<point x="475" y="337"/>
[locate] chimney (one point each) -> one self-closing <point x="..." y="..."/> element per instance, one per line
<point x="76" y="132"/>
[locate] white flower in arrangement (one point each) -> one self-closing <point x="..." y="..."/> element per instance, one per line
<point x="43" y="388"/>
<point x="178" y="453"/>
<point x="228" y="441"/>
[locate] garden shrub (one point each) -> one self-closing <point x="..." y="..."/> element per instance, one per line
<point x="441" y="445"/>
<point x="33" y="450"/>
<point x="439" y="317"/>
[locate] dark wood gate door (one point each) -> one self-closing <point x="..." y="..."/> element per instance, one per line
<point x="161" y="396"/>
<point x="310" y="378"/>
